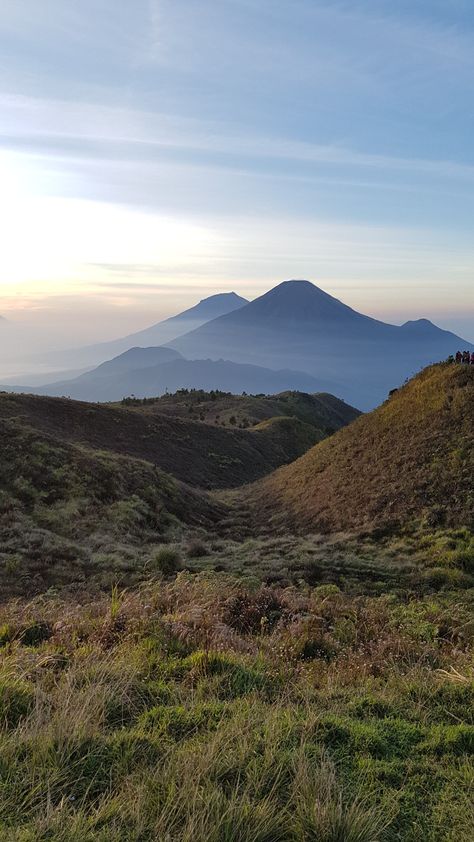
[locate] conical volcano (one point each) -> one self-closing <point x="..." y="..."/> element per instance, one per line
<point x="296" y="325"/>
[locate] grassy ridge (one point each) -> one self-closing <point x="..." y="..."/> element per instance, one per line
<point x="321" y="410"/>
<point x="412" y="458"/>
<point x="207" y="709"/>
<point x="202" y="456"/>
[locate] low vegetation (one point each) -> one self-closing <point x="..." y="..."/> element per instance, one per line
<point x="207" y="457"/>
<point x="71" y="515"/>
<point x="209" y="708"/>
<point x="412" y="459"/>
<point x="289" y="663"/>
<point x="321" y="410"/>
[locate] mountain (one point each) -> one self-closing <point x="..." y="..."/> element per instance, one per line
<point x="131" y="360"/>
<point x="409" y="461"/>
<point x="296" y="325"/>
<point x="117" y="378"/>
<point x="157" y="334"/>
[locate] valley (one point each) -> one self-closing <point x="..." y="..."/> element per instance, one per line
<point x="275" y="590"/>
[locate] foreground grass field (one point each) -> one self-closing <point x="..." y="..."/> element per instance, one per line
<point x="211" y="709"/>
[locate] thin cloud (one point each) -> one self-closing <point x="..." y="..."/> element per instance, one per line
<point x="40" y="124"/>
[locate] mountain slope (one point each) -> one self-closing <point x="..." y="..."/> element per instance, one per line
<point x="157" y="334"/>
<point x="117" y="378"/>
<point x="198" y="454"/>
<point x="131" y="360"/>
<point x="298" y="326"/>
<point x="410" y="459"/>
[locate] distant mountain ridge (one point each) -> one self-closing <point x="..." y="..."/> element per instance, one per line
<point x="294" y="337"/>
<point x="299" y="326"/>
<point x="126" y="375"/>
<point x="157" y="334"/>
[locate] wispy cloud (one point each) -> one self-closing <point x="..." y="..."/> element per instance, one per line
<point x="91" y="130"/>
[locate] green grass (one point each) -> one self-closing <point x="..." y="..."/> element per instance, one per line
<point x="195" y="710"/>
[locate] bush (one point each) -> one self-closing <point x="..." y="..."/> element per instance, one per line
<point x="451" y="739"/>
<point x="35" y="633"/>
<point x="167" y="561"/>
<point x="6" y="634"/>
<point x="124" y="708"/>
<point x="252" y="612"/>
<point x="196" y="549"/>
<point x="446" y="577"/>
<point x="233" y="679"/>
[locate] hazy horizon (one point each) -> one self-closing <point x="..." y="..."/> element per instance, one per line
<point x="170" y="303"/>
<point x="32" y="354"/>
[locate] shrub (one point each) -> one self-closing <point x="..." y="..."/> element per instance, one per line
<point x="252" y="612"/>
<point x="233" y="679"/>
<point x="35" y="633"/>
<point x="446" y="577"/>
<point x="6" y="634"/>
<point x="167" y="561"/>
<point x="369" y="706"/>
<point x="464" y="558"/>
<point x="123" y="708"/>
<point x="324" y="813"/>
<point x="196" y="549"/>
<point x="451" y="739"/>
<point x="307" y="644"/>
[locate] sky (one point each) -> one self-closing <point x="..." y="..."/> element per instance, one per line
<point x="153" y="152"/>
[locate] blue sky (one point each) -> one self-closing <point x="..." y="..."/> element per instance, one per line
<point x="155" y="151"/>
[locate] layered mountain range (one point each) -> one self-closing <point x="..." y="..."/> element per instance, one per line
<point x="299" y="326"/>
<point x="295" y="336"/>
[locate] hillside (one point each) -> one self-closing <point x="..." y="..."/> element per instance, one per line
<point x="297" y="325"/>
<point x="200" y="455"/>
<point x="410" y="459"/>
<point x="69" y="512"/>
<point x="91" y="491"/>
<point x="320" y="410"/>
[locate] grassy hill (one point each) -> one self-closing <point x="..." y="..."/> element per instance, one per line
<point x="321" y="410"/>
<point x="410" y="459"/>
<point x="276" y="688"/>
<point x="202" y="456"/>
<point x="93" y="492"/>
<point x="69" y="512"/>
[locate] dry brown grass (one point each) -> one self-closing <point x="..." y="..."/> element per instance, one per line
<point x="412" y="458"/>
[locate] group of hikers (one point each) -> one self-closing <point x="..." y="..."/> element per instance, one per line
<point x="464" y="357"/>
